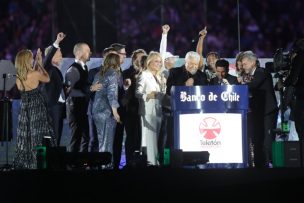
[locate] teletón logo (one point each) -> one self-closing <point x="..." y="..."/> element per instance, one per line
<point x="210" y="128"/>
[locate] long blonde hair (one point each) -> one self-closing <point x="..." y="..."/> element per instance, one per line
<point x="152" y="55"/>
<point x="23" y="63"/>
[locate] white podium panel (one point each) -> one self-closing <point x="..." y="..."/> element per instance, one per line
<point x="218" y="133"/>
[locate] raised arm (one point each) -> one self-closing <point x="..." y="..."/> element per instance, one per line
<point x="200" y="44"/>
<point x="52" y="51"/>
<point x="163" y="42"/>
<point x="42" y="74"/>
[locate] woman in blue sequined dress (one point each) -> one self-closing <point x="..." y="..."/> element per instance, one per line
<point x="106" y="102"/>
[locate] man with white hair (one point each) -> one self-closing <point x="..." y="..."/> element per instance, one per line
<point x="187" y="75"/>
<point x="263" y="111"/>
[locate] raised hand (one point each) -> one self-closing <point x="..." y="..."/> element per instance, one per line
<point x="225" y="81"/>
<point x="203" y="32"/>
<point x="38" y="60"/>
<point x="96" y="87"/>
<point x="151" y="95"/>
<point x="116" y="115"/>
<point x="189" y="82"/>
<point x="165" y="29"/>
<point x="60" y="37"/>
<point x="127" y="83"/>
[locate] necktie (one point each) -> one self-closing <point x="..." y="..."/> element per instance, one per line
<point x="86" y="68"/>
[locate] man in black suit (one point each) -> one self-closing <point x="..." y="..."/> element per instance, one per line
<point x="123" y="85"/>
<point x="54" y="90"/>
<point x="77" y="100"/>
<point x="93" y="143"/>
<point x="222" y="74"/>
<point x="187" y="75"/>
<point x="132" y="123"/>
<point x="263" y="106"/>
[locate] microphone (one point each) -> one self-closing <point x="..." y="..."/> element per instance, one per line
<point x="8" y="75"/>
<point x="163" y="82"/>
<point x="202" y="32"/>
<point x="67" y="83"/>
<point x="220" y="81"/>
<point x="195" y="39"/>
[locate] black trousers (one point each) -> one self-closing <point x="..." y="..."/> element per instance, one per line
<point x="118" y="139"/>
<point x="78" y="122"/>
<point x="133" y="135"/>
<point x="255" y="132"/>
<point x="57" y="113"/>
<point x="117" y="144"/>
<point x="270" y="123"/>
<point x="165" y="139"/>
<point x="260" y="137"/>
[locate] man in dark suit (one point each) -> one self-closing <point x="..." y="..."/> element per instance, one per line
<point x="124" y="84"/>
<point x="54" y="90"/>
<point x="77" y="100"/>
<point x="222" y="74"/>
<point x="263" y="106"/>
<point x="132" y="123"/>
<point x="93" y="143"/>
<point x="187" y="75"/>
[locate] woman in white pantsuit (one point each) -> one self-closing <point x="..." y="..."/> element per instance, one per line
<point x="150" y="90"/>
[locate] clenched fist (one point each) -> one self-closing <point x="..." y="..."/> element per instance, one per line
<point x="166" y="29"/>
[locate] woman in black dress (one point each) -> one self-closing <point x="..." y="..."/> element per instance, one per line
<point x="33" y="121"/>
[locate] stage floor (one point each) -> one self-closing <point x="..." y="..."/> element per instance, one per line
<point x="153" y="185"/>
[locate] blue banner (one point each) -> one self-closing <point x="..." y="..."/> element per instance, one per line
<point x="210" y="98"/>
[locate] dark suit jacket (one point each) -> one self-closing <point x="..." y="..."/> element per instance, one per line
<point x="92" y="73"/>
<point x="132" y="102"/>
<point x="263" y="100"/>
<point x="178" y="77"/>
<point x="230" y="78"/>
<point x="52" y="89"/>
<point x="129" y="73"/>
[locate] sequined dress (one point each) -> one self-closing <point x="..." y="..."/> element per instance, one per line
<point x="33" y="125"/>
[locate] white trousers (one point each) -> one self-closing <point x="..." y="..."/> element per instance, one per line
<point x="150" y="130"/>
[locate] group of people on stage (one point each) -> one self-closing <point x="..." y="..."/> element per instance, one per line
<point x="102" y="102"/>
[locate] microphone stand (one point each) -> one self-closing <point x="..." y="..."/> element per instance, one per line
<point x="5" y="120"/>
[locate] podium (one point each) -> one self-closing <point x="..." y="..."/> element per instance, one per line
<point x="213" y="119"/>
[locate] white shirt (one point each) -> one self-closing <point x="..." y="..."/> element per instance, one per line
<point x="81" y="63"/>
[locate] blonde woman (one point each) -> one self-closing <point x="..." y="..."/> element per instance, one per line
<point x="33" y="121"/>
<point x="150" y="90"/>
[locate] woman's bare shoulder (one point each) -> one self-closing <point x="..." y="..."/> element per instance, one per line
<point x="33" y="73"/>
